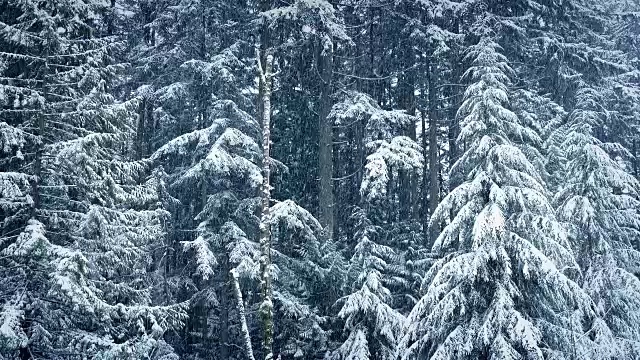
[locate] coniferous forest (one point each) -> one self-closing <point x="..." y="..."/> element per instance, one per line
<point x="319" y="179"/>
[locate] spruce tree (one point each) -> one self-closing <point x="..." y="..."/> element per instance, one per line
<point x="84" y="196"/>
<point x="496" y="288"/>
<point x="599" y="200"/>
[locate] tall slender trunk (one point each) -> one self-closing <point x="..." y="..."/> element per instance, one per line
<point x="37" y="165"/>
<point x="140" y="132"/>
<point x="204" y="88"/>
<point x="358" y="161"/>
<point x="265" y="62"/>
<point x="325" y="151"/>
<point x="266" y="307"/>
<point x="454" y="126"/>
<point x="391" y="194"/>
<point x="408" y="193"/>
<point x="265" y="40"/>
<point x="224" y="305"/>
<point x="413" y="191"/>
<point x="111" y="18"/>
<point x="372" y="72"/>
<point x="203" y="38"/>
<point x="434" y="186"/>
<point x="425" y="174"/>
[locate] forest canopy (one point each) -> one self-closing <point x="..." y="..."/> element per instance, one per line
<point x="319" y="179"/>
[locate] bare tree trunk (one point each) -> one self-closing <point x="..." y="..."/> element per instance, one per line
<point x="204" y="89"/>
<point x="454" y="126"/>
<point x="325" y="151"/>
<point x="265" y="39"/>
<point x="37" y="165"/>
<point x="414" y="179"/>
<point x="407" y="184"/>
<point x="145" y="125"/>
<point x="111" y="18"/>
<point x="225" y="304"/>
<point x="425" y="159"/>
<point x="248" y="348"/>
<point x="266" y="307"/>
<point x="265" y="62"/>
<point x="434" y="186"/>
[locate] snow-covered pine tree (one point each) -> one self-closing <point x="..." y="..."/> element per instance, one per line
<point x="57" y="75"/>
<point x="265" y="86"/>
<point x="545" y="117"/>
<point x="627" y="89"/>
<point x="103" y="237"/>
<point x="594" y="160"/>
<point x="498" y="290"/>
<point x="223" y="162"/>
<point x="182" y="64"/>
<point x="625" y="96"/>
<point x="22" y="274"/>
<point x="303" y="261"/>
<point x="372" y="322"/>
<point x="188" y="66"/>
<point x="311" y="33"/>
<point x="214" y="174"/>
<point x="599" y="201"/>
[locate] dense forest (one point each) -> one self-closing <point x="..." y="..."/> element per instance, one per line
<point x="319" y="179"/>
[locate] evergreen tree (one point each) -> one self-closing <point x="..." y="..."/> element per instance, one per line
<point x="80" y="197"/>
<point x="599" y="201"/>
<point x="478" y="295"/>
<point x="371" y="321"/>
<point x="395" y="184"/>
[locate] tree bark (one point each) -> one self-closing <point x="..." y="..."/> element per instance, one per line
<point x="325" y="152"/>
<point x="266" y="307"/>
<point x="265" y="62"/>
<point x="246" y="338"/>
<point x="434" y="186"/>
<point x="454" y="126"/>
<point x="425" y="173"/>
<point x="265" y="40"/>
<point x="142" y="114"/>
<point x="204" y="88"/>
<point x="37" y="165"/>
<point x="225" y="304"/>
<point x="111" y="18"/>
<point x="414" y="179"/>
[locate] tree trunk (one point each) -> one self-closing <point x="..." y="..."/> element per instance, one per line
<point x="434" y="185"/>
<point x="265" y="62"/>
<point x="414" y="179"/>
<point x="266" y="307"/>
<point x="425" y="173"/>
<point x="454" y="126"/>
<point x="142" y="114"/>
<point x="37" y="165"/>
<point x="111" y="18"/>
<point x="224" y="292"/>
<point x="246" y="337"/>
<point x="265" y="40"/>
<point x="204" y="88"/>
<point x="325" y="152"/>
